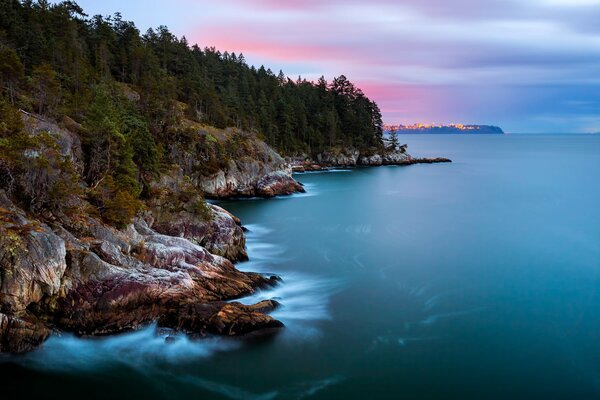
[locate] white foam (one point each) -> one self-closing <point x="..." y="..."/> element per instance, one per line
<point x="139" y="349"/>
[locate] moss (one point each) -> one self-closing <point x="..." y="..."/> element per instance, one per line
<point x="120" y="210"/>
<point x="13" y="243"/>
<point x="202" y="210"/>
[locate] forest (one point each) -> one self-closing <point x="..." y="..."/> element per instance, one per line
<point x="56" y="60"/>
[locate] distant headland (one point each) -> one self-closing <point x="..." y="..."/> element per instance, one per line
<point x="443" y="129"/>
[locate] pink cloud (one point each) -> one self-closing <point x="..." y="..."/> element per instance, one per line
<point x="243" y="40"/>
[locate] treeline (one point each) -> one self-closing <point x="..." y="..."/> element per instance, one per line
<point x="54" y="59"/>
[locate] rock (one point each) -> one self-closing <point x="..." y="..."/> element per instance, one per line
<point x="339" y="157"/>
<point x="349" y="157"/>
<point x="250" y="179"/>
<point x="68" y="141"/>
<point x="21" y="334"/>
<point x="91" y="279"/>
<point x="32" y="259"/>
<point x="277" y="183"/>
<point x="430" y="160"/>
<point x="230" y="319"/>
<point x="221" y="235"/>
<point x="398" y="157"/>
<point x="370" y="160"/>
<point x="165" y="275"/>
<point x="251" y="163"/>
<point x="172" y="211"/>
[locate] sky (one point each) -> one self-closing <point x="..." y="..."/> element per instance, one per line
<point x="529" y="66"/>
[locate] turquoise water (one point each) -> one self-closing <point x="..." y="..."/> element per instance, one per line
<point x="476" y="279"/>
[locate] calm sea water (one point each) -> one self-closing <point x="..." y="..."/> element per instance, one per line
<point x="476" y="279"/>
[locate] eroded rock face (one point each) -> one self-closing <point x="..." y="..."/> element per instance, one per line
<point x="92" y="279"/>
<point x="252" y="169"/>
<point x="108" y="290"/>
<point x="174" y="214"/>
<point x="370" y="160"/>
<point x="230" y="319"/>
<point x="221" y="235"/>
<point x="250" y="178"/>
<point x="396" y="157"/>
<point x="278" y="183"/>
<point x="339" y="158"/>
<point x="21" y="334"/>
<point x="32" y="259"/>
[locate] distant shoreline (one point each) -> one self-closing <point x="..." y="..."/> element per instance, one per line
<point x="455" y="129"/>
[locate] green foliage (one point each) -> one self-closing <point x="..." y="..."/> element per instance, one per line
<point x="120" y="209"/>
<point x="117" y="205"/>
<point x="46" y="88"/>
<point x="32" y="168"/>
<point x="11" y="71"/>
<point x="58" y="43"/>
<point x="202" y="210"/>
<point x="137" y="96"/>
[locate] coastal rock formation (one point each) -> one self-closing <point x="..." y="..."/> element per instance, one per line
<point x="178" y="209"/>
<point x="232" y="163"/>
<point x="278" y="183"/>
<point x="337" y="157"/>
<point x="230" y="319"/>
<point x="88" y="278"/>
<point x="370" y="160"/>
<point x="32" y="259"/>
<point x="348" y="157"/>
<point x="221" y="234"/>
<point x="21" y="334"/>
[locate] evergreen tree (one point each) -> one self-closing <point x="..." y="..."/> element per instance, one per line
<point x="11" y="71"/>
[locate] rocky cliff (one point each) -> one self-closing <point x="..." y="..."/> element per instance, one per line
<point x="89" y="278"/>
<point x="65" y="267"/>
<point x="231" y="163"/>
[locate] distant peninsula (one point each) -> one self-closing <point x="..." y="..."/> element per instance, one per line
<point x="443" y="129"/>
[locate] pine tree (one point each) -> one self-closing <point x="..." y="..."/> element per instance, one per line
<point x="11" y="71"/>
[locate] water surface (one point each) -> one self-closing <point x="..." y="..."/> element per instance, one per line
<point x="476" y="279"/>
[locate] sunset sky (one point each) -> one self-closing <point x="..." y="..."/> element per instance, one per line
<point x="526" y="65"/>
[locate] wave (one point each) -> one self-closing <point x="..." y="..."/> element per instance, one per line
<point x="139" y="349"/>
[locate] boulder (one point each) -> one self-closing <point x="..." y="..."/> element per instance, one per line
<point x="21" y="334"/>
<point x="339" y="157"/>
<point x="370" y="160"/>
<point x="32" y="259"/>
<point x="277" y="183"/>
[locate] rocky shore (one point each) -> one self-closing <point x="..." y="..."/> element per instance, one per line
<point x="349" y="158"/>
<point x="172" y="264"/>
<point x="91" y="279"/>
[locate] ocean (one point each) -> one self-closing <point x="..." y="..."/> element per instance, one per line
<point x="478" y="279"/>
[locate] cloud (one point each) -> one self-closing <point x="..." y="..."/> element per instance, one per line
<point x="418" y="58"/>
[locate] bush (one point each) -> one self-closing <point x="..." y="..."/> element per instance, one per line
<point x="202" y="210"/>
<point x="120" y="210"/>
